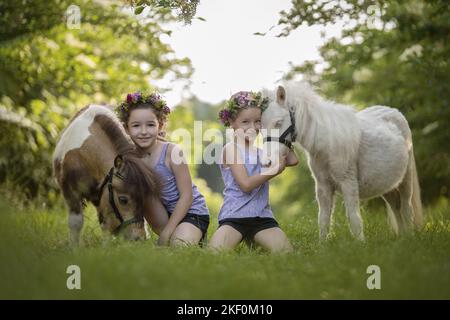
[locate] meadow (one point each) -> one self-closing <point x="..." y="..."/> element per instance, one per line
<point x="35" y="254"/>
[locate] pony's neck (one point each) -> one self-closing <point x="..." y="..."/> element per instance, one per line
<point x="323" y="126"/>
<point x="307" y="126"/>
<point x="120" y="142"/>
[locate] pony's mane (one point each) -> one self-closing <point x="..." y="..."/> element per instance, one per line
<point x="112" y="127"/>
<point x="139" y="180"/>
<point x="323" y="126"/>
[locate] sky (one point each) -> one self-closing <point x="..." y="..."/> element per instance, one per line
<point x="226" y="55"/>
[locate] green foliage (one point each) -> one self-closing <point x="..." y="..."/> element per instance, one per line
<point x="391" y="53"/>
<point x="50" y="71"/>
<point x="181" y="129"/>
<point x="184" y="9"/>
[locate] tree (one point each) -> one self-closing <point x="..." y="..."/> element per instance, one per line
<point x="50" y="70"/>
<point x="184" y="9"/>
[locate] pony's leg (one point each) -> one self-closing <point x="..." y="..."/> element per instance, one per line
<point x="75" y="226"/>
<point x="406" y="192"/>
<point x="392" y="199"/>
<point x="350" y="192"/>
<point x="75" y="220"/>
<point x="325" y="198"/>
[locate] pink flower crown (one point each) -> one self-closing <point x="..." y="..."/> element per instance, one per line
<point x="241" y="100"/>
<point x="154" y="99"/>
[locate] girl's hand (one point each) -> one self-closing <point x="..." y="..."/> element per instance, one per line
<point x="282" y="165"/>
<point x="277" y="168"/>
<point x="291" y="159"/>
<point x="164" y="238"/>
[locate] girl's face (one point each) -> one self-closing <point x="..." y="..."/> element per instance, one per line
<point x="143" y="127"/>
<point x="247" y="123"/>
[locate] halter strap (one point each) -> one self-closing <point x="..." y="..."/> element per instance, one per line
<point x="290" y="130"/>
<point x="123" y="223"/>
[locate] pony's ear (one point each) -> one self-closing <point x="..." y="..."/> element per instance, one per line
<point x="118" y="162"/>
<point x="281" y="95"/>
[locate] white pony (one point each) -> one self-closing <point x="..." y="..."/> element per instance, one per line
<point x="362" y="154"/>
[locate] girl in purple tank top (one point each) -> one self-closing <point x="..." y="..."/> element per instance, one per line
<point x="180" y="215"/>
<point x="245" y="213"/>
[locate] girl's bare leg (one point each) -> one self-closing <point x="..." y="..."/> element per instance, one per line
<point x="225" y="238"/>
<point x="186" y="234"/>
<point x="274" y="240"/>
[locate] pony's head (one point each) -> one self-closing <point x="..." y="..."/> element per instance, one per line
<point x="292" y="115"/>
<point x="124" y="196"/>
<point x="276" y="121"/>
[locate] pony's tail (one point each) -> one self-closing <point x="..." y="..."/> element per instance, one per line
<point x="416" y="200"/>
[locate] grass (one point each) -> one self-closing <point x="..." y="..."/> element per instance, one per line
<point x="34" y="255"/>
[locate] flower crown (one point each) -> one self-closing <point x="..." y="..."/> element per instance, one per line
<point x="241" y="100"/>
<point x="154" y="99"/>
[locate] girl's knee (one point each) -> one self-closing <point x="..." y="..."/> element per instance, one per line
<point x="274" y="240"/>
<point x="186" y="236"/>
<point x="182" y="242"/>
<point x="185" y="240"/>
<point x="287" y="247"/>
<point x="215" y="247"/>
<point x="282" y="247"/>
<point x="220" y="243"/>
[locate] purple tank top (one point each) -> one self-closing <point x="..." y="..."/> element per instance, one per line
<point x="170" y="193"/>
<point x="240" y="204"/>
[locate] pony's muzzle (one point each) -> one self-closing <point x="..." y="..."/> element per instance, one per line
<point x="136" y="238"/>
<point x="266" y="163"/>
<point x="134" y="235"/>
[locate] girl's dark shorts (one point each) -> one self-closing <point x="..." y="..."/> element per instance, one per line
<point x="248" y="227"/>
<point x="200" y="221"/>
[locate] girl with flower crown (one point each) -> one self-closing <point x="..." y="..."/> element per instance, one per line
<point x="245" y="213"/>
<point x="144" y="118"/>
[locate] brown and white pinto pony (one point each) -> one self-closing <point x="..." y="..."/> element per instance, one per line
<point x="95" y="160"/>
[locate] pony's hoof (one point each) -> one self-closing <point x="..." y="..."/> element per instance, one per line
<point x="325" y="237"/>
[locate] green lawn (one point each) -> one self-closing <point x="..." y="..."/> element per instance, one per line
<point x="34" y="256"/>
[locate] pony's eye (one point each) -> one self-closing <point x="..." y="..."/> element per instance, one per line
<point x="278" y="124"/>
<point x="123" y="200"/>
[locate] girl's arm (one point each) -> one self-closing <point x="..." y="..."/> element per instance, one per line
<point x="156" y="214"/>
<point x="291" y="159"/>
<point x="184" y="185"/>
<point x="247" y="183"/>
